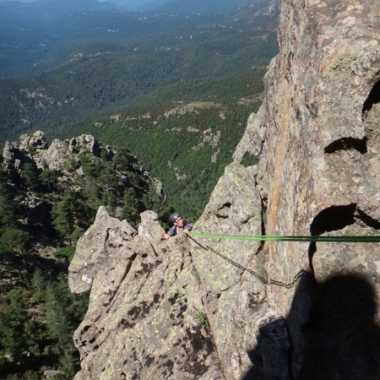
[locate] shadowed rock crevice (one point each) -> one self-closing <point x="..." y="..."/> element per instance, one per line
<point x="223" y="211"/>
<point x="348" y="143"/>
<point x="263" y="213"/>
<point x="336" y="218"/>
<point x="333" y="218"/>
<point x="373" y="98"/>
<point x="342" y="331"/>
<point x="334" y="322"/>
<point x="368" y="220"/>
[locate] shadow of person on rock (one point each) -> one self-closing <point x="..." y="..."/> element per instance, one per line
<point x="271" y="356"/>
<point x="331" y="333"/>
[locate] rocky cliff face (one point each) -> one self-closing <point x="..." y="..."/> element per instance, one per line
<point x="308" y="164"/>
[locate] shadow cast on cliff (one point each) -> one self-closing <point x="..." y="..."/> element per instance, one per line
<point x="330" y="333"/>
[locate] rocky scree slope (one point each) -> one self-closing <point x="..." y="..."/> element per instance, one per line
<point x="308" y="164"/>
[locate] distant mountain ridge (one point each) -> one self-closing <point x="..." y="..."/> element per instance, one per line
<point x="138" y="5"/>
<point x="36" y="37"/>
<point x="104" y="76"/>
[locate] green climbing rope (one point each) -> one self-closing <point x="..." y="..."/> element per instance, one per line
<point x="319" y="239"/>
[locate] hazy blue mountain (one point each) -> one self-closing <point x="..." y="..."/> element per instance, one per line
<point x="37" y="36"/>
<point x="138" y="5"/>
<point x="182" y="6"/>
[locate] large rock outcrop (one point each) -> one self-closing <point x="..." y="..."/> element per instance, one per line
<point x="145" y="318"/>
<point x="309" y="163"/>
<point x="53" y="156"/>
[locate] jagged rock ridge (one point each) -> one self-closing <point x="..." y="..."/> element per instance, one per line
<point x="51" y="156"/>
<point x="50" y="195"/>
<point x="308" y="164"/>
<point x="144" y="301"/>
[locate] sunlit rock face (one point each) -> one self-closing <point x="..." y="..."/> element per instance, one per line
<point x="145" y="319"/>
<point x="309" y="163"/>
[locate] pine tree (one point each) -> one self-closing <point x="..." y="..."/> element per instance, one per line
<point x="48" y="179"/>
<point x="14" y="321"/>
<point x="30" y="175"/>
<point x="131" y="206"/>
<point x="63" y="313"/>
<point x="14" y="240"/>
<point x="38" y="286"/>
<point x="63" y="215"/>
<point x="7" y="206"/>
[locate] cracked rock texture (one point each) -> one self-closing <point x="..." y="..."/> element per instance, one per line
<point x="145" y="319"/>
<point x="309" y="163"/>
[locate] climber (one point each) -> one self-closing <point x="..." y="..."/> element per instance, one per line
<point x="178" y="225"/>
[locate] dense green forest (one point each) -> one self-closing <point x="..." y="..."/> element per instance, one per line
<point x="37" y="322"/>
<point x="187" y="143"/>
<point x="43" y="212"/>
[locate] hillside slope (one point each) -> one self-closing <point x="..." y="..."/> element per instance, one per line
<point x="185" y="139"/>
<point x="126" y="96"/>
<point x="108" y="78"/>
<point x="124" y="92"/>
<point x="243" y="310"/>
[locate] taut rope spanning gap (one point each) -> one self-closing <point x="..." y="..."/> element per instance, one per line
<point x="313" y="238"/>
<point x="266" y="280"/>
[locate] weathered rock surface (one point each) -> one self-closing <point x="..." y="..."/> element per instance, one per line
<point x="36" y="140"/>
<point x="315" y="170"/>
<point x="145" y="313"/>
<point x="56" y="155"/>
<point x="84" y="144"/>
<point x="8" y="154"/>
<point x="53" y="156"/>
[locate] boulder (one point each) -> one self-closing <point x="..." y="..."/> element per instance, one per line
<point x="8" y="155"/>
<point x="90" y="252"/>
<point x="32" y="142"/>
<point x="150" y="228"/>
<point x="84" y="144"/>
<point x="56" y="155"/>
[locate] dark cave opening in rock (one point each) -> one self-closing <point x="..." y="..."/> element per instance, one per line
<point x="348" y="143"/>
<point x="330" y="219"/>
<point x="373" y="98"/>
